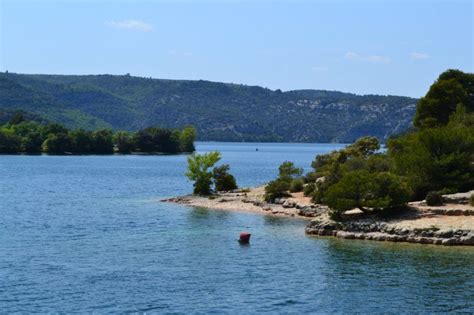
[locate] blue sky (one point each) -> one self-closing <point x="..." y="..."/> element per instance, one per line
<point x="364" y="47"/>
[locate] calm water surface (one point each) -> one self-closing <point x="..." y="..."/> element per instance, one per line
<point x="88" y="234"/>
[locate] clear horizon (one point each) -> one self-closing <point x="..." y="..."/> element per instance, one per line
<point x="364" y="47"/>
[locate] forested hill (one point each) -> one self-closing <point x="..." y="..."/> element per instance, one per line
<point x="219" y="111"/>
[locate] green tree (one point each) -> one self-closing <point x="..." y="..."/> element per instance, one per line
<point x="82" y="141"/>
<point x="287" y="171"/>
<point x="363" y="147"/>
<point x="124" y="142"/>
<point x="32" y="143"/>
<point x="57" y="144"/>
<point x="187" y="138"/>
<point x="198" y="171"/>
<point x="436" y="159"/>
<point x="102" y="142"/>
<point x="452" y="88"/>
<point x="368" y="192"/>
<point x="223" y="180"/>
<point x="9" y="142"/>
<point x="52" y="129"/>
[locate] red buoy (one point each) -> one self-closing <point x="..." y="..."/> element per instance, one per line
<point x="244" y="237"/>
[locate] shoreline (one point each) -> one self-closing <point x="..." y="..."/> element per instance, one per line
<point x="450" y="224"/>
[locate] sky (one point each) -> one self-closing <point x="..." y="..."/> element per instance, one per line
<point x="363" y="47"/>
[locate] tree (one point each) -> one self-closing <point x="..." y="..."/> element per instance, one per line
<point x="9" y="142"/>
<point x="288" y="171"/>
<point x="143" y="140"/>
<point x="57" y="144"/>
<point x="82" y="141"/>
<point x="368" y="192"/>
<point x="102" y="142"/>
<point x="436" y="159"/>
<point x="124" y="142"/>
<point x="452" y="88"/>
<point x="52" y="129"/>
<point x="363" y="147"/>
<point x="187" y="138"/>
<point x="223" y="181"/>
<point x="198" y="171"/>
<point x="32" y="143"/>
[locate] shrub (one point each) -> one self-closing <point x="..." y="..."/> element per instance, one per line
<point x="367" y="191"/>
<point x="276" y="189"/>
<point x="296" y="185"/>
<point x="222" y="179"/>
<point x="198" y="171"/>
<point x="471" y="200"/>
<point x="434" y="198"/>
<point x="309" y="188"/>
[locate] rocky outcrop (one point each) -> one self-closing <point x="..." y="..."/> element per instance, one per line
<point x="384" y="231"/>
<point x="459" y="198"/>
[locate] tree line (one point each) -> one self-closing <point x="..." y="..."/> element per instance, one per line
<point x="24" y="136"/>
<point x="435" y="158"/>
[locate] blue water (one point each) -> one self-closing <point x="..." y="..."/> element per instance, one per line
<point x="88" y="234"/>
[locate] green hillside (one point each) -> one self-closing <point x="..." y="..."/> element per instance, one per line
<point x="219" y="111"/>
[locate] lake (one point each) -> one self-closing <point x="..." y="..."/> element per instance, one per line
<point x="88" y="234"/>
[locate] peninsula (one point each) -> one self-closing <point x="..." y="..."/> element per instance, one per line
<point x="419" y="190"/>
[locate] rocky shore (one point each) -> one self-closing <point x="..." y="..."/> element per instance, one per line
<point x="450" y="224"/>
<point x="374" y="229"/>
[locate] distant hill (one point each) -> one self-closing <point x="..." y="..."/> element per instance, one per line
<point x="219" y="111"/>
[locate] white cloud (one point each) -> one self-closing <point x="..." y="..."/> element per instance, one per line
<point x="350" y="55"/>
<point x="320" y="68"/>
<point x="419" y="56"/>
<point x="135" y="25"/>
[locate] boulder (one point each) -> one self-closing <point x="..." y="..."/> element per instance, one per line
<point x="460" y="198"/>
<point x="288" y="204"/>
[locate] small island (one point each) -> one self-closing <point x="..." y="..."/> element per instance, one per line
<point x="22" y="135"/>
<point x="418" y="188"/>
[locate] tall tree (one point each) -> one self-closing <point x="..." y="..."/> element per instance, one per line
<point x="452" y="88"/>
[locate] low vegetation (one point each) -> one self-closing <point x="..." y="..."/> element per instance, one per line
<point x="435" y="158"/>
<point x="288" y="176"/>
<point x="434" y="198"/>
<point x="23" y="136"/>
<point x="199" y="171"/>
<point x="223" y="180"/>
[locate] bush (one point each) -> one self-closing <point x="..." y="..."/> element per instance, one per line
<point x="198" y="171"/>
<point x="296" y="185"/>
<point x="434" y="198"/>
<point x="222" y="179"/>
<point x="367" y="191"/>
<point x="276" y="189"/>
<point x="309" y="189"/>
<point x="471" y="200"/>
